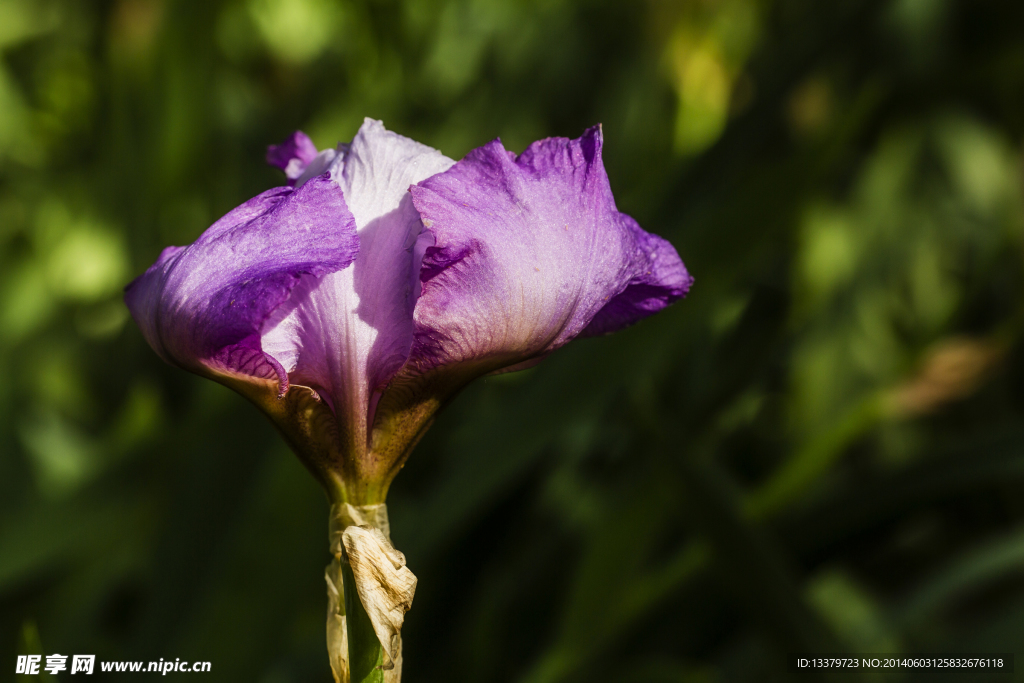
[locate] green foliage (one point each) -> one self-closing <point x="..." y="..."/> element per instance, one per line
<point x="822" y="448"/>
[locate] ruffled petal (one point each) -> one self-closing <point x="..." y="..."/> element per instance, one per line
<point x="528" y="253"/>
<point x="319" y="165"/>
<point x="202" y="306"/>
<point x="650" y="290"/>
<point x="348" y="333"/>
<point x="293" y="155"/>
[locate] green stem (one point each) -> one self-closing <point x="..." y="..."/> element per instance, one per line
<point x="365" y="655"/>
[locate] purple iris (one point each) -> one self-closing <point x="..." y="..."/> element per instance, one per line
<point x="351" y="305"/>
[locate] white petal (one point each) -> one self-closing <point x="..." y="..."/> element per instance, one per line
<point x="348" y="333"/>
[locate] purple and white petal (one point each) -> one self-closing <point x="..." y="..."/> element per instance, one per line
<point x="293" y="155"/>
<point x="348" y="333"/>
<point x="528" y="252"/>
<point x="202" y="306"/>
<point x="320" y="164"/>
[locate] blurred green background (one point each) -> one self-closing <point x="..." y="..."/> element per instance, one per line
<point x="821" y="449"/>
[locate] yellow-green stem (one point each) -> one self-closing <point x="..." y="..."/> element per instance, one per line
<point x="364" y="651"/>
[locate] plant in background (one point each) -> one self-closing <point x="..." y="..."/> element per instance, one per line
<point x="353" y="304"/>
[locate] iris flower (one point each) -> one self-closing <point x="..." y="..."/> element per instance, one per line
<point x="353" y="303"/>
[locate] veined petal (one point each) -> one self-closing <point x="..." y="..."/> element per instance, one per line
<point x="293" y="155"/>
<point x="348" y="333"/>
<point x="319" y="165"/>
<point x="528" y="253"/>
<point x="202" y="306"/>
<point x="664" y="280"/>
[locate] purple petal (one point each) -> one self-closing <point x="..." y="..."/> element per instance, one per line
<point x="293" y="155"/>
<point x="203" y="306"/>
<point x="347" y="334"/>
<point x="664" y="280"/>
<point x="528" y="253"/>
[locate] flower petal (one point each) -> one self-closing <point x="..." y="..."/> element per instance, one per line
<point x="664" y="280"/>
<point x="320" y="164"/>
<point x="529" y="252"/>
<point x="293" y="155"/>
<point x="202" y="306"/>
<point x="348" y="333"/>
